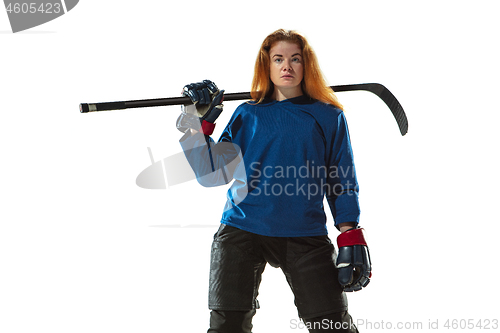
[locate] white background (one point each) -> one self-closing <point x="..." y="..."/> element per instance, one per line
<point x="84" y="249"/>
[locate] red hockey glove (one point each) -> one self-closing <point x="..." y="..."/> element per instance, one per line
<point x="353" y="261"/>
<point x="206" y="108"/>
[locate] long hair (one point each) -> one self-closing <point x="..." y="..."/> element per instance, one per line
<point x="313" y="83"/>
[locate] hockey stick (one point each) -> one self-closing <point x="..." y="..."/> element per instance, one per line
<point x="376" y="88"/>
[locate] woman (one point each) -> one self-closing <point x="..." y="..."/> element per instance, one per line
<point x="286" y="150"/>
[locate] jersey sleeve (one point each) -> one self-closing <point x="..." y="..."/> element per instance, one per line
<point x="213" y="163"/>
<point x="342" y="187"/>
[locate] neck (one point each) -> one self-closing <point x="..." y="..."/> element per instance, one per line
<point x="282" y="94"/>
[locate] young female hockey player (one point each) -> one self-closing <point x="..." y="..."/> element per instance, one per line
<point x="286" y="150"/>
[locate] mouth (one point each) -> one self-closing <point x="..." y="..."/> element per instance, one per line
<point x="287" y="76"/>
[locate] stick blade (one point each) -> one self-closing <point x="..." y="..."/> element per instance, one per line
<point x="385" y="95"/>
<point x="394" y="106"/>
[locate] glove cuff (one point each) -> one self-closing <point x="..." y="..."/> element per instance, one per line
<point x="207" y="128"/>
<point x="351" y="237"/>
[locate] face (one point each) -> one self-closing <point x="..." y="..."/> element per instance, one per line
<point x="286" y="66"/>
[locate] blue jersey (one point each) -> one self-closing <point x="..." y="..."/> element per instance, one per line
<point x="284" y="157"/>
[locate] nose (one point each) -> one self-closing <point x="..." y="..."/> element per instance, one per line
<point x="286" y="66"/>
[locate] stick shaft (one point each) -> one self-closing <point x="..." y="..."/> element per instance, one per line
<point x="143" y="103"/>
<point x="375" y="88"/>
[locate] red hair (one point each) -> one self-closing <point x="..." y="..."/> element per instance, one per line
<point x="313" y="83"/>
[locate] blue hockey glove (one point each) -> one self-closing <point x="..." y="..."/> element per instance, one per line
<point x="353" y="261"/>
<point x="206" y="108"/>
